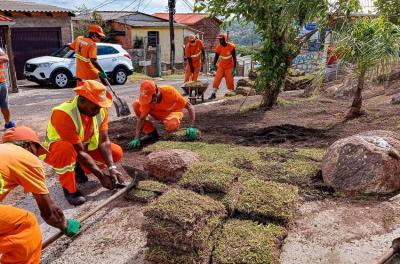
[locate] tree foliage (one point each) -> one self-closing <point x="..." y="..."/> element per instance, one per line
<point x="279" y="23"/>
<point x="367" y="44"/>
<point x="81" y="27"/>
<point x="389" y="9"/>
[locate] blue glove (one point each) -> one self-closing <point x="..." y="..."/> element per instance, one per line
<point x="103" y="75"/>
<point x="73" y="227"/>
<point x="134" y="144"/>
<point x="234" y="72"/>
<point x="191" y="133"/>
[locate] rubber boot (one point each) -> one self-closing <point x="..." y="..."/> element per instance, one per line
<point x="149" y="138"/>
<point x="212" y="96"/>
<point x="9" y="125"/>
<point x="80" y="175"/>
<point x="75" y="198"/>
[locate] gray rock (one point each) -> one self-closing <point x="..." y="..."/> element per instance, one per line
<point x="368" y="162"/>
<point x="395" y="99"/>
<point x="169" y="165"/>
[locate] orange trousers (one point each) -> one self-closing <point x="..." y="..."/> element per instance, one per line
<point x="63" y="159"/>
<point x="20" y="236"/>
<point x="189" y="76"/>
<point x="171" y="121"/>
<point x="224" y="73"/>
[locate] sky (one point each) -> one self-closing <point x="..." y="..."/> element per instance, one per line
<point x="145" y="6"/>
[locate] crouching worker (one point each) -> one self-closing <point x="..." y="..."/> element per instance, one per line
<point x="165" y="104"/>
<point x="20" y="235"/>
<point x="77" y="137"/>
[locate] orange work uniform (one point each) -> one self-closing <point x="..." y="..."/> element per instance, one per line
<point x="225" y="66"/>
<point x="195" y="53"/>
<point x="85" y="50"/>
<point x="63" y="156"/>
<point x="169" y="110"/>
<point x="20" y="235"/>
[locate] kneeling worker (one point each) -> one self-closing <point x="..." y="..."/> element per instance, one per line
<point x="78" y="132"/>
<point x="20" y="235"/>
<point x="165" y="104"/>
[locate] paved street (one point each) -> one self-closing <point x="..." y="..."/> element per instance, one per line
<point x="32" y="105"/>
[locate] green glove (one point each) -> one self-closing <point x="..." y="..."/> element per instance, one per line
<point x="103" y="75"/>
<point x="234" y="72"/>
<point x="191" y="133"/>
<point x="133" y="144"/>
<point x="213" y="68"/>
<point x="73" y="227"/>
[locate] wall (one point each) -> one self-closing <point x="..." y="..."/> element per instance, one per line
<point x="211" y="29"/>
<point x="164" y="41"/>
<point x="125" y="41"/>
<point x="61" y="20"/>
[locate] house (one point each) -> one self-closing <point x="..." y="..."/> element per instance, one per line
<point x="5" y="45"/>
<point x="38" y="29"/>
<point x="132" y="29"/>
<point x="201" y="22"/>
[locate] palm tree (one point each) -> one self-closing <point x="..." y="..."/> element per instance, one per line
<point x="367" y="43"/>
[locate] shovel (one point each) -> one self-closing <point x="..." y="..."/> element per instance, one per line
<point x="118" y="194"/>
<point x="121" y="106"/>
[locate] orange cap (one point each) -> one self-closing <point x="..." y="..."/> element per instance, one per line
<point x="147" y="89"/>
<point x="223" y="36"/>
<point x="192" y="37"/>
<point x="95" y="92"/>
<point x="23" y="133"/>
<point x="97" y="29"/>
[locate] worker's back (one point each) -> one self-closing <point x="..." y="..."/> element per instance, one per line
<point x="85" y="50"/>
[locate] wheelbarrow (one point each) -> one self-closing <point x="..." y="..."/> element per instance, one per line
<point x="195" y="90"/>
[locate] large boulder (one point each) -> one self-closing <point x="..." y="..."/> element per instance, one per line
<point x="169" y="165"/>
<point x="368" y="162"/>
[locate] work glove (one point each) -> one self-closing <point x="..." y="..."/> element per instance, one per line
<point x="103" y="75"/>
<point x="234" y="72"/>
<point x="134" y="144"/>
<point x="73" y="227"/>
<point x="191" y="133"/>
<point x="213" y="68"/>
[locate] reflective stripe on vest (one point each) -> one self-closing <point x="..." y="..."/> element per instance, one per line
<point x="226" y="57"/>
<point x="71" y="108"/>
<point x="2" y="190"/>
<point x="196" y="55"/>
<point x="80" y="57"/>
<point x="3" y="76"/>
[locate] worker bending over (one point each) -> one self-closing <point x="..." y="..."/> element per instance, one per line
<point x="20" y="235"/>
<point x="195" y="54"/>
<point x="163" y="103"/>
<point x="225" y="56"/>
<point x="77" y="135"/>
<point x="87" y="66"/>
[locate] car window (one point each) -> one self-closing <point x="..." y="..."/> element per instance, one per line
<point x="63" y="52"/>
<point x="106" y="50"/>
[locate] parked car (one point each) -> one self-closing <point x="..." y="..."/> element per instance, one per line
<point x="58" y="69"/>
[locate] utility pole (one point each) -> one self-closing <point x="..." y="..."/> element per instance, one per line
<point x="171" y="10"/>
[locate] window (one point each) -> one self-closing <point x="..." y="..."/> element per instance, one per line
<point x="106" y="50"/>
<point x="153" y="38"/>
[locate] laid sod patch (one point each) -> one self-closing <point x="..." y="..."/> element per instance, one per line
<point x="163" y="255"/>
<point x="246" y="242"/>
<point x="153" y="186"/>
<point x="263" y="201"/>
<point x="146" y="191"/>
<point x="185" y="208"/>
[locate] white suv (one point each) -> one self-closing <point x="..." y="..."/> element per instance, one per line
<point x="59" y="68"/>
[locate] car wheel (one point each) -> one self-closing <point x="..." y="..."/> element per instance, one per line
<point x="120" y="76"/>
<point x="61" y="78"/>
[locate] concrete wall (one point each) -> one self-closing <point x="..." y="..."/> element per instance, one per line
<point x="61" y="20"/>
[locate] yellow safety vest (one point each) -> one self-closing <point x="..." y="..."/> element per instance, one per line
<point x="71" y="108"/>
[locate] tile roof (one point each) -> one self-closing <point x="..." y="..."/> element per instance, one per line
<point x="5" y="19"/>
<point x="24" y="6"/>
<point x="105" y="15"/>
<point x="149" y="23"/>
<point x="189" y="19"/>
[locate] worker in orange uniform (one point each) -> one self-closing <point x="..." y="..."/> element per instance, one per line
<point x="196" y="55"/>
<point x="20" y="235"/>
<point x="77" y="134"/>
<point x="225" y="56"/>
<point x="87" y="66"/>
<point x="165" y="104"/>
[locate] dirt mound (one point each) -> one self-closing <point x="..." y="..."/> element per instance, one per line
<point x="278" y="134"/>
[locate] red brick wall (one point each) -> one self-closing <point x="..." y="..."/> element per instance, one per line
<point x="211" y="29"/>
<point x="125" y="42"/>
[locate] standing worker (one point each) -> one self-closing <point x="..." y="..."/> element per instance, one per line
<point x="226" y="68"/>
<point x="196" y="55"/>
<point x="77" y="134"/>
<point x="163" y="103"/>
<point x="20" y="235"/>
<point x="87" y="66"/>
<point x="5" y="110"/>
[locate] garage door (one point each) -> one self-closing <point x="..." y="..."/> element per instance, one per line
<point x="33" y="42"/>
